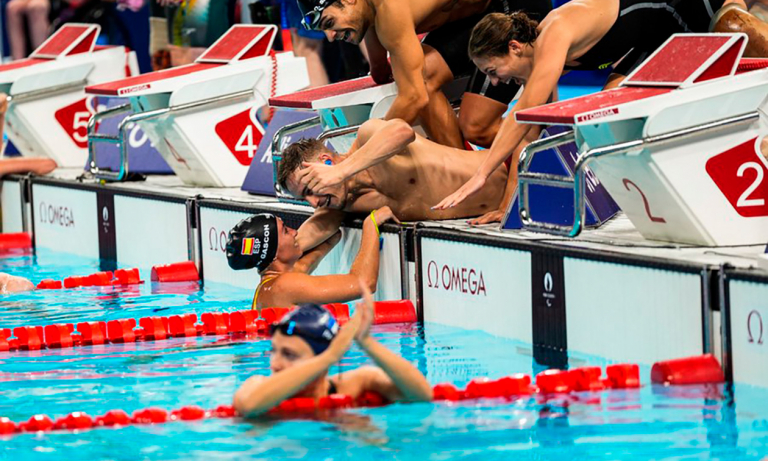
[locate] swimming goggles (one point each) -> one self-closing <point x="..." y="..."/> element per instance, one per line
<point x="291" y="328"/>
<point x="311" y="19"/>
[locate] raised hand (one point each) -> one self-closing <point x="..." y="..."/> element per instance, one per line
<point x="365" y="307"/>
<point x="316" y="176"/>
<point x="343" y="340"/>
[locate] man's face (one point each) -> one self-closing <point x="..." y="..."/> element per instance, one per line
<point x="333" y="197"/>
<point x="345" y="23"/>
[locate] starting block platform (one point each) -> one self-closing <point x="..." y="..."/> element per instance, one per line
<point x="48" y="110"/>
<point x="203" y="118"/>
<point x="653" y="299"/>
<point x="677" y="146"/>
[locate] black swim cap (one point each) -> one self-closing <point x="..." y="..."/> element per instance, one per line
<point x="311" y="10"/>
<point x="312" y="323"/>
<point x="253" y="242"/>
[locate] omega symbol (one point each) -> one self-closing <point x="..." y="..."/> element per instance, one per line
<point x="548" y="282"/>
<point x="105" y="214"/>
<point x="758" y="327"/>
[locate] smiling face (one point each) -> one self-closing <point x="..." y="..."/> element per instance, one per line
<point x="504" y="69"/>
<point x="334" y="197"/>
<point x="288" y="250"/>
<point x="345" y="21"/>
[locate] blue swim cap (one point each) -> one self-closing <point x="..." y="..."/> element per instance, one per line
<point x="310" y="322"/>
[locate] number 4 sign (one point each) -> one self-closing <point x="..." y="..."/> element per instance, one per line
<point x="241" y="134"/>
<point x="741" y="175"/>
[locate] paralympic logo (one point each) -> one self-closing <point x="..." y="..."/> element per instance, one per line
<point x="461" y="279"/>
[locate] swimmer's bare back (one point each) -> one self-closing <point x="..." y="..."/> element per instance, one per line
<point x="428" y="15"/>
<point x="420" y="176"/>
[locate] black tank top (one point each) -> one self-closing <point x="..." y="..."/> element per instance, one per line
<point x="643" y="25"/>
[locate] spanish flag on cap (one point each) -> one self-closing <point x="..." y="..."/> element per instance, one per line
<point x="247" y="246"/>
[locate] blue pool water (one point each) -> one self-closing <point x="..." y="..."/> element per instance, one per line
<point x="689" y="423"/>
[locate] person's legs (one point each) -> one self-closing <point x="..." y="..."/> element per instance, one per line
<point x="311" y="50"/>
<point x="480" y="118"/>
<point x="37" y="21"/>
<point x="438" y="118"/>
<point x="14" y="20"/>
<point x="734" y="17"/>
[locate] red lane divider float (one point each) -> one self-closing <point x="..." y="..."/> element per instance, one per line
<point x="177" y="272"/>
<point x="99" y="279"/>
<point x="700" y="369"/>
<point x="17" y="241"/>
<point x="514" y="386"/>
<point x="60" y="336"/>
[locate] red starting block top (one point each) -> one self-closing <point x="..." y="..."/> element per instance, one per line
<point x="142" y="82"/>
<point x="747" y="65"/>
<point x="239" y="43"/>
<point x="70" y="39"/>
<point x="576" y="110"/>
<point x="304" y="99"/>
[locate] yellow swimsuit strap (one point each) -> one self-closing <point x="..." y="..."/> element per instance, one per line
<point x="258" y="289"/>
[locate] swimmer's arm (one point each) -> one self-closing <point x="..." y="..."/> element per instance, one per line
<point x="259" y="393"/>
<point x="407" y="60"/>
<point x="549" y="56"/>
<point x="319" y="228"/>
<point x="377" y="140"/>
<point x="297" y="288"/>
<point x="309" y="260"/>
<point x="395" y="378"/>
<point x="377" y="57"/>
<point x="39" y="166"/>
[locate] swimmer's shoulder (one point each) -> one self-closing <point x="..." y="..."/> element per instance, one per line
<point x="360" y="380"/>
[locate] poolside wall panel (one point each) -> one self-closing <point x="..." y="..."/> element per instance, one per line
<point x="11" y="204"/>
<point x="150" y="232"/>
<point x="65" y="220"/>
<point x="477" y="287"/>
<point x="631" y="313"/>
<point x="749" y="331"/>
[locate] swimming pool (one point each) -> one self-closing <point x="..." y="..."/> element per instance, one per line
<point x="651" y="423"/>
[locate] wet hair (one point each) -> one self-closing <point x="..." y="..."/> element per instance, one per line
<point x="303" y="150"/>
<point x="491" y="36"/>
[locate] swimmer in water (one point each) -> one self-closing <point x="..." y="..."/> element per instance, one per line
<point x="581" y="34"/>
<point x="14" y="284"/>
<point x="264" y="242"/>
<point x="420" y="69"/>
<point x="307" y="342"/>
<point x="388" y="165"/>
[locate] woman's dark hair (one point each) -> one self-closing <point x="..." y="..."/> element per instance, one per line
<point x="491" y="36"/>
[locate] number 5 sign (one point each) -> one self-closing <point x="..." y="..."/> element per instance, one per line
<point x="741" y="175"/>
<point x="241" y="134"/>
<point x="74" y="119"/>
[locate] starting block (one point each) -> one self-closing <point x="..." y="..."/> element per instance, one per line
<point x="552" y="204"/>
<point x="677" y="146"/>
<point x="48" y="110"/>
<point x="203" y="117"/>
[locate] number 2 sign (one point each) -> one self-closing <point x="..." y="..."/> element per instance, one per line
<point x="741" y="175"/>
<point x="242" y="134"/>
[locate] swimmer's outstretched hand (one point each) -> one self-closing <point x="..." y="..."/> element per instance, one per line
<point x="316" y="176"/>
<point x="475" y="183"/>
<point x="385" y="214"/>
<point x="343" y="340"/>
<point x="365" y="307"/>
<point x="488" y="218"/>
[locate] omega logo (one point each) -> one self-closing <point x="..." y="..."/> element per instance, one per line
<point x="217" y="240"/>
<point x="755" y="326"/>
<point x="56" y="214"/>
<point x="461" y="279"/>
<point x="105" y="214"/>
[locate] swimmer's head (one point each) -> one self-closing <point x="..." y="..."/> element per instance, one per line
<point x="500" y="46"/>
<point x="260" y="240"/>
<point x="345" y="20"/>
<point x="301" y="334"/>
<point x="313" y="151"/>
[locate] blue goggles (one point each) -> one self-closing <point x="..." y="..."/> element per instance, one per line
<point x="311" y="19"/>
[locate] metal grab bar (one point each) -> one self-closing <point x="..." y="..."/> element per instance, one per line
<point x="525" y="178"/>
<point x="122" y="131"/>
<point x="46" y="92"/>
